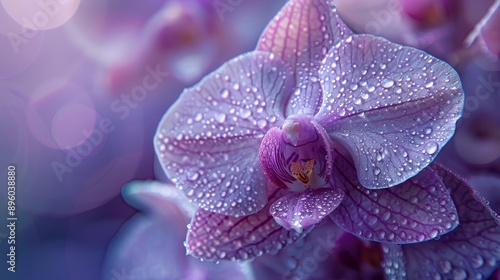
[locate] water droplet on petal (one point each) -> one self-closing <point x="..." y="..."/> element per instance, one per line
<point x="220" y="117"/>
<point x="261" y="123"/>
<point x="224" y="93"/>
<point x="387" y="83"/>
<point x="429" y="84"/>
<point x="431" y="148"/>
<point x="372" y="220"/>
<point x="445" y="266"/>
<point x="245" y="113"/>
<point x="376" y="171"/>
<point x="198" y="117"/>
<point x="477" y="261"/>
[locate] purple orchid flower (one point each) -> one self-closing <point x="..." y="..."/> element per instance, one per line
<point x="149" y="245"/>
<point x="316" y="122"/>
<point x="471" y="251"/>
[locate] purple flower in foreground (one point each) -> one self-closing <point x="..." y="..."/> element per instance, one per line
<point x="333" y="119"/>
<point x="471" y="251"/>
<point x="149" y="246"/>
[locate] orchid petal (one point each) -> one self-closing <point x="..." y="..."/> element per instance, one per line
<point x="392" y="107"/>
<point x="472" y="250"/>
<point x="416" y="210"/>
<point x="301" y="210"/>
<point x="213" y="236"/>
<point x="158" y="198"/>
<point x="208" y="140"/>
<point x="301" y="34"/>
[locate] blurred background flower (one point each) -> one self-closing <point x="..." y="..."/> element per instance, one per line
<point x="150" y="245"/>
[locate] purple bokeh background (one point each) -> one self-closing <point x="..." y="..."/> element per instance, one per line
<point x="83" y="85"/>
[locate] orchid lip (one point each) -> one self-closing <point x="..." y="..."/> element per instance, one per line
<point x="296" y="157"/>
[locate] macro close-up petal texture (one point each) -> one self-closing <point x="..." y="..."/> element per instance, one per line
<point x="250" y="140"/>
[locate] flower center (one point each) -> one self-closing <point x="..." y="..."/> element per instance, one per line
<point x="302" y="173"/>
<point x="297" y="156"/>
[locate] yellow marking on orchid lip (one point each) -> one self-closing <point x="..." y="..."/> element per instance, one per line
<point x="300" y="173"/>
<point x="308" y="167"/>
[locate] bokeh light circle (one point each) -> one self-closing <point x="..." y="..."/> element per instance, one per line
<point x="19" y="51"/>
<point x="60" y="115"/>
<point x="72" y="124"/>
<point x="41" y="14"/>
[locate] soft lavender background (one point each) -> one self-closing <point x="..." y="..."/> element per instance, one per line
<point x="69" y="78"/>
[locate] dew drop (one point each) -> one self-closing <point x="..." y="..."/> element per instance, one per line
<point x="387" y="83"/>
<point x="220" y="117"/>
<point x="459" y="274"/>
<point x="224" y="93"/>
<point x="236" y="86"/>
<point x="376" y="171"/>
<point x="445" y="266"/>
<point x="386" y="215"/>
<point x="431" y="148"/>
<point x="429" y="84"/>
<point x="245" y="113"/>
<point x="261" y="123"/>
<point x="222" y="254"/>
<point x="198" y="117"/>
<point x="372" y="220"/>
<point x="477" y="261"/>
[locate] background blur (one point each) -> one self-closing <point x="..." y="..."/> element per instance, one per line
<point x="83" y="85"/>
